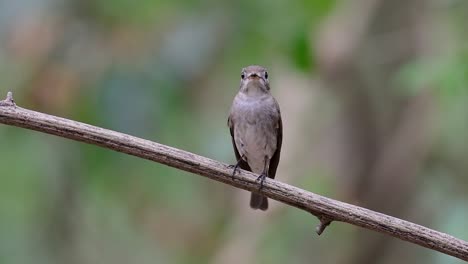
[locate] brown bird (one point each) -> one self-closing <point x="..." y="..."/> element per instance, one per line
<point x="256" y="129"/>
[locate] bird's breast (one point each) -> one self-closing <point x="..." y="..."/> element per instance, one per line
<point x="255" y="130"/>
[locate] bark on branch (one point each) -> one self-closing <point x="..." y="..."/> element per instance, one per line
<point x="325" y="209"/>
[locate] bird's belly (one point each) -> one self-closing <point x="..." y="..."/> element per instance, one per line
<point x="256" y="144"/>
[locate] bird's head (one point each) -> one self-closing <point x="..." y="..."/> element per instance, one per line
<point x="254" y="80"/>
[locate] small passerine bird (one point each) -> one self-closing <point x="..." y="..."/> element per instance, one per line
<point x="256" y="129"/>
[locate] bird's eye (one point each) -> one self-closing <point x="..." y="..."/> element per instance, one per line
<point x="266" y="75"/>
<point x="242" y="75"/>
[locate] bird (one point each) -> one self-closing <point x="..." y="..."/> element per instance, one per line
<point x="256" y="129"/>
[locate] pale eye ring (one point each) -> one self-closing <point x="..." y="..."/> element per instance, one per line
<point x="242" y="75"/>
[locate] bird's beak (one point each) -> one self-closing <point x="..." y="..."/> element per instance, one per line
<point x="253" y="75"/>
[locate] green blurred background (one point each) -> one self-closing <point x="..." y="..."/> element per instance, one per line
<point x="373" y="95"/>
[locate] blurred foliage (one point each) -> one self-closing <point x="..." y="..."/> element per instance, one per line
<point x="448" y="76"/>
<point x="167" y="71"/>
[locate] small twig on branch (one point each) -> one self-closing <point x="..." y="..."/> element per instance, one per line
<point x="325" y="209"/>
<point x="8" y="100"/>
<point x="324" y="222"/>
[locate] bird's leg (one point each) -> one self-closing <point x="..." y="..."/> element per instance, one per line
<point x="264" y="174"/>
<point x="236" y="167"/>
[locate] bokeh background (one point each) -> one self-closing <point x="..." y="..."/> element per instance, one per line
<point x="374" y="98"/>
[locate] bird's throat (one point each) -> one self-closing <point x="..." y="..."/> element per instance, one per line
<point x="254" y="90"/>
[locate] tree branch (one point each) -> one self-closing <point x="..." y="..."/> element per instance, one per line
<point x="325" y="209"/>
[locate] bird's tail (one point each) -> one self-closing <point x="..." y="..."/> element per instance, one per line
<point x="258" y="201"/>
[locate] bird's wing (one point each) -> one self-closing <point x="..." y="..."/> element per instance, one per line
<point x="279" y="141"/>
<point x="242" y="163"/>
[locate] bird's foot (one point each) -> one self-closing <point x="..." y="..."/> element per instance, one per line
<point x="235" y="168"/>
<point x="261" y="178"/>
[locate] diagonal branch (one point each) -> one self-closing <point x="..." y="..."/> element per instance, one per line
<point x="325" y="209"/>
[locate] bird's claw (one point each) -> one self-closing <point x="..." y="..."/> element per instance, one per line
<point x="235" y="169"/>
<point x="261" y="178"/>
